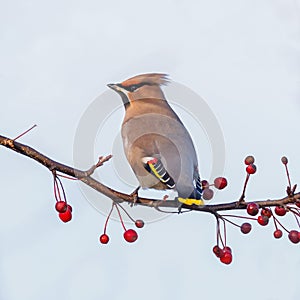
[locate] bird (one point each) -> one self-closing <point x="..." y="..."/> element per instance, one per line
<point x="156" y="143"/>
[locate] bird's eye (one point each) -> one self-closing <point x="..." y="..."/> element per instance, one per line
<point x="132" y="88"/>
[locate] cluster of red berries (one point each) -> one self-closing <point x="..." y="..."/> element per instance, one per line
<point x="261" y="214"/>
<point x="64" y="211"/>
<point x="251" y="167"/>
<point x="219" y="183"/>
<point x="130" y="235"/>
<point x="62" y="207"/>
<point x="224" y="254"/>
<point x="267" y="213"/>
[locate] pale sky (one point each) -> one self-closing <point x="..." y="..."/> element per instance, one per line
<point x="56" y="57"/>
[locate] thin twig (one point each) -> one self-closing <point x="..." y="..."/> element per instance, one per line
<point x="23" y="133"/>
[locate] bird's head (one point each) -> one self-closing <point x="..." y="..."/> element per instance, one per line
<point x="145" y="86"/>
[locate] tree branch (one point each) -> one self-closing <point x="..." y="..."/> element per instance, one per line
<point x="85" y="177"/>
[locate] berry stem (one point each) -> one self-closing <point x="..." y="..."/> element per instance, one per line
<point x="219" y="237"/>
<point x="120" y="216"/>
<point x="280" y="224"/>
<point x="109" y="214"/>
<point x="56" y="189"/>
<point x="296" y="215"/>
<point x="224" y="228"/>
<point x="294" y="211"/>
<point x="126" y="212"/>
<point x="241" y="217"/>
<point x="67" y="177"/>
<point x="244" y="189"/>
<point x="62" y="188"/>
<point x="275" y="222"/>
<point x="231" y="222"/>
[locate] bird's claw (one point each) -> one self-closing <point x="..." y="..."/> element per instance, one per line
<point x="135" y="196"/>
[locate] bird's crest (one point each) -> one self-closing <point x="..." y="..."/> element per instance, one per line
<point x="150" y="78"/>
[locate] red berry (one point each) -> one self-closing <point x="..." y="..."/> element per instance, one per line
<point x="139" y="223"/>
<point x="266" y="212"/>
<point x="130" y="235"/>
<point x="65" y="216"/>
<point x="61" y="206"/>
<point x="263" y="220"/>
<point x="251" y="169"/>
<point x="249" y="160"/>
<point x="104" y="238"/>
<point x="277" y="234"/>
<point x="280" y="210"/>
<point x="207" y="194"/>
<point x="246" y="228"/>
<point x="70" y="208"/>
<point x="227" y="249"/>
<point x="204" y="184"/>
<point x="294" y="236"/>
<point x="217" y="251"/>
<point x="226" y="258"/>
<point x="220" y="183"/>
<point x="252" y="209"/>
<point x="298" y="204"/>
<point x="284" y="160"/>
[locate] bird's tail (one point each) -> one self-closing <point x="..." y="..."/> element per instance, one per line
<point x="196" y="196"/>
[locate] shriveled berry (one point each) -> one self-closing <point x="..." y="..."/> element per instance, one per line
<point x="266" y="212"/>
<point x="204" y="184"/>
<point x="130" y="235"/>
<point x="246" y="228"/>
<point x="226" y="258"/>
<point x="104" y="238"/>
<point x="263" y="220"/>
<point x="251" y="169"/>
<point x="284" y="160"/>
<point x="139" y="223"/>
<point x="277" y="234"/>
<point x="61" y="206"/>
<point x="298" y="204"/>
<point x="294" y="236"/>
<point x="70" y="208"/>
<point x="217" y="250"/>
<point x="207" y="194"/>
<point x="249" y="160"/>
<point x="220" y="183"/>
<point x="65" y="216"/>
<point x="252" y="209"/>
<point x="280" y="210"/>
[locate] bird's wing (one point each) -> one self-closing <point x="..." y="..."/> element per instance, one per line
<point x="154" y="166"/>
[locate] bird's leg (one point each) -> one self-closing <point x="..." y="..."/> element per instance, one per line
<point x="180" y="208"/>
<point x="135" y="195"/>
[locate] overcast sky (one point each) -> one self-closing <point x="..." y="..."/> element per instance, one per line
<point x="240" y="59"/>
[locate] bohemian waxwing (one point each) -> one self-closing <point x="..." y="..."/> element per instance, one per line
<point x="158" y="147"/>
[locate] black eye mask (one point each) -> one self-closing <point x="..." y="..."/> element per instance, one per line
<point x="133" y="87"/>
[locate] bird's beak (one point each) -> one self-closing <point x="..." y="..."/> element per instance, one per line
<point x="113" y="86"/>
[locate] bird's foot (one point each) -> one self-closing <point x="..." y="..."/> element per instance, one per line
<point x="135" y="196"/>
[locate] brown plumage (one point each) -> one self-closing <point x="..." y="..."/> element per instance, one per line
<point x="151" y="79"/>
<point x="151" y="129"/>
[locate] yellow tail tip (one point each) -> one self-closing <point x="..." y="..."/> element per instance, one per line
<point x="189" y="201"/>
